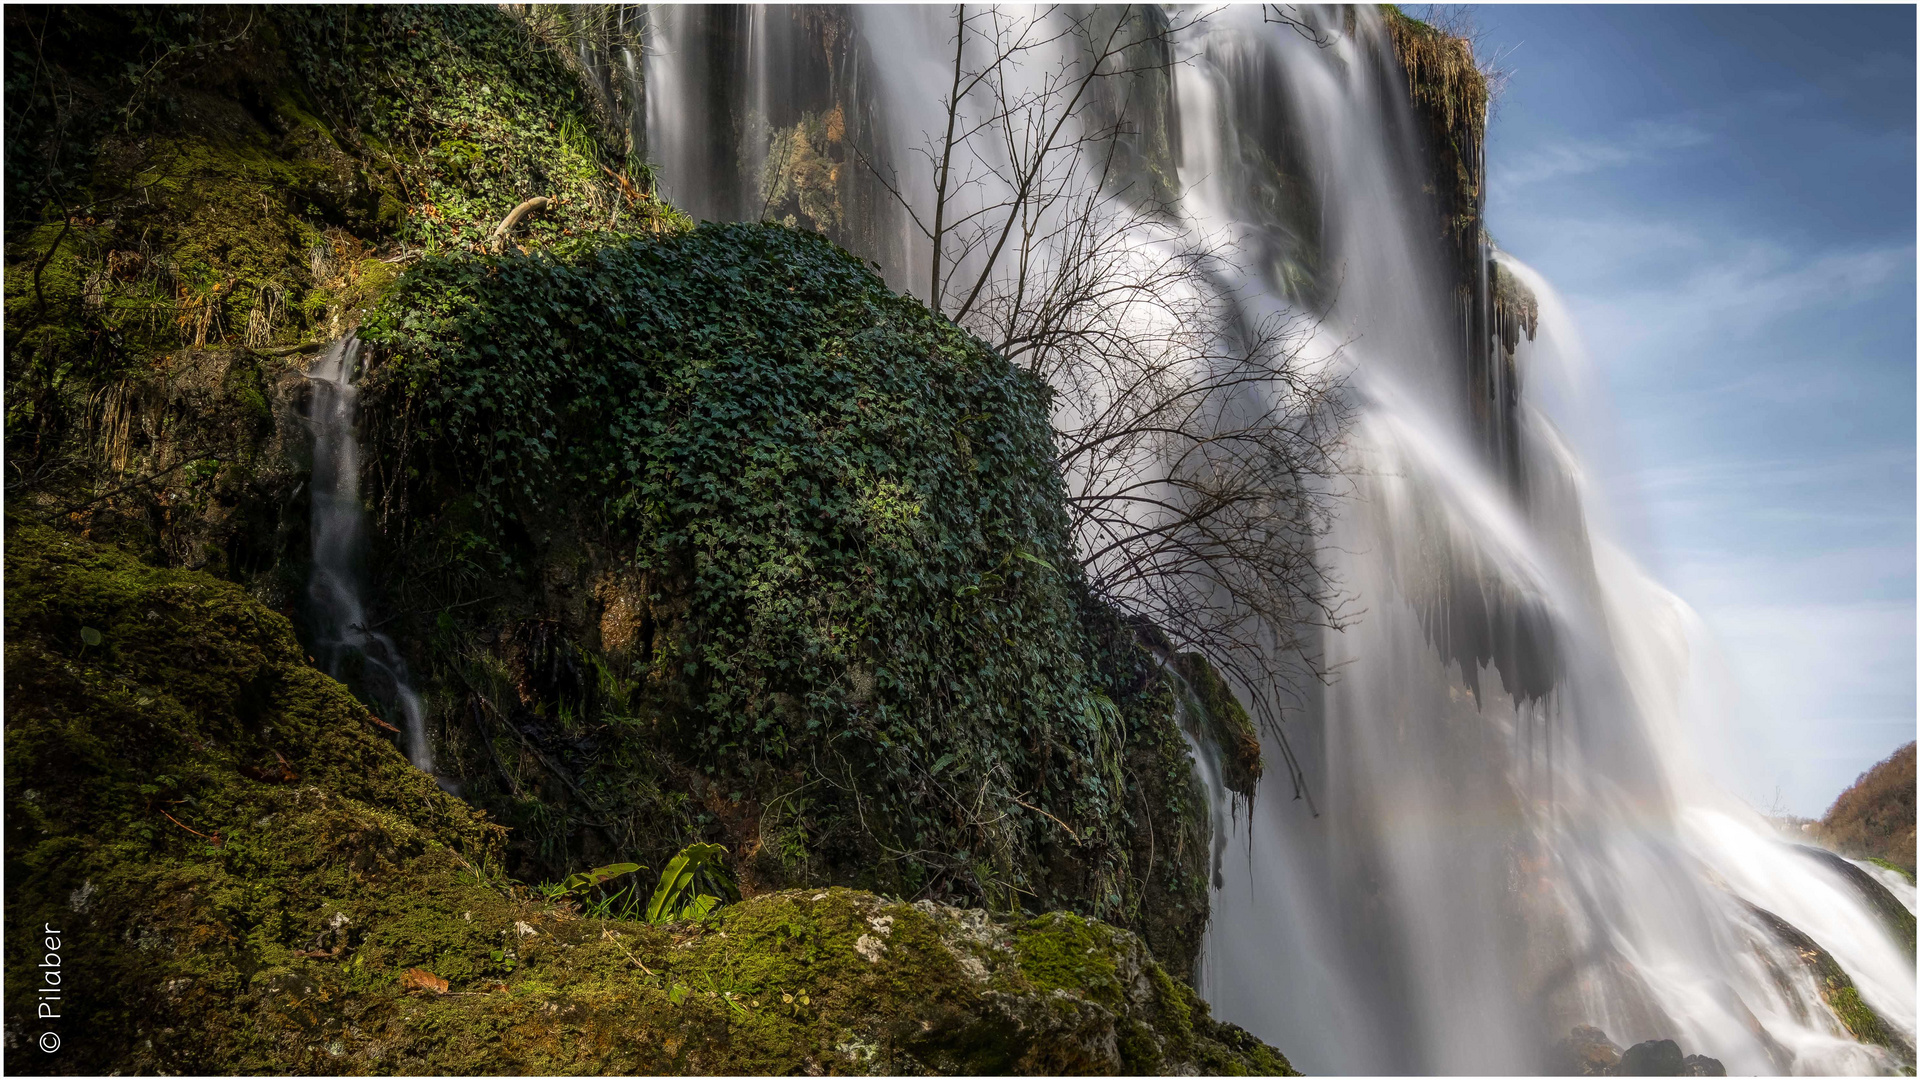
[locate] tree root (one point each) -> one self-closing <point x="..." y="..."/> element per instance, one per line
<point x="499" y="238"/>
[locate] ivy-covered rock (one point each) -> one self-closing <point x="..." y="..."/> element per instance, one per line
<point x="247" y="877"/>
<point x="758" y="528"/>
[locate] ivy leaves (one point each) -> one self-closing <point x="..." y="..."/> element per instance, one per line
<point x="857" y="499"/>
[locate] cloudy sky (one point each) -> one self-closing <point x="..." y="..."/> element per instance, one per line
<point x="1725" y="198"/>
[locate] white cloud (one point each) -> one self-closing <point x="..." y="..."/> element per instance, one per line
<point x="1752" y="287"/>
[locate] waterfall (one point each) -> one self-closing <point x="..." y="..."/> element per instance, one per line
<point x="1514" y="832"/>
<point x="337" y="588"/>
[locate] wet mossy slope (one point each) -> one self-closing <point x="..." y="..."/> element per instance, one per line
<point x="195" y="192"/>
<point x="246" y="871"/>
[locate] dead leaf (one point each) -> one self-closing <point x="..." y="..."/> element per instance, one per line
<point x="421" y="979"/>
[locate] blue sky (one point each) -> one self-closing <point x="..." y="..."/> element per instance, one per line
<point x="1725" y="198"/>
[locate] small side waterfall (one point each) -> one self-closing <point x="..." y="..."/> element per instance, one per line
<point x="337" y="588"/>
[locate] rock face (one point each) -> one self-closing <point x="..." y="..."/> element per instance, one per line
<point x="255" y="880"/>
<point x="1226" y="723"/>
<point x="1588" y="1052"/>
<point x="1836" y="987"/>
<point x="1898" y="920"/>
<point x="1702" y="1065"/>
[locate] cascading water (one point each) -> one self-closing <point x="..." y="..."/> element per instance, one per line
<point x="1513" y="836"/>
<point x="337" y="586"/>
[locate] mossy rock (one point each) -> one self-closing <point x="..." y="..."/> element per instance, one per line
<point x="1886" y="907"/>
<point x="247" y="876"/>
<point x="1836" y="989"/>
<point x="1225" y="723"/>
<point x="243" y="183"/>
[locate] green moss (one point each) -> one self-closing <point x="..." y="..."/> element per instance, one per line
<point x="1854" y="1014"/>
<point x="213" y="179"/>
<point x="246" y="870"/>
<point x="1893" y="866"/>
<point x="1061" y="949"/>
<point x="1226" y="723"/>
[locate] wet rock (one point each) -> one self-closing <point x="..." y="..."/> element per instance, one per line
<point x="1891" y="912"/>
<point x="1587" y="1052"/>
<point x="1655" y="1057"/>
<point x="1835" y="986"/>
<point x="1225" y="722"/>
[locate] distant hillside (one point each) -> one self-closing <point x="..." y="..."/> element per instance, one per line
<point x="1874" y="819"/>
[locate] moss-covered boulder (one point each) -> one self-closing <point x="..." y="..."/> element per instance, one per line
<point x="742" y="547"/>
<point x="246" y="876"/>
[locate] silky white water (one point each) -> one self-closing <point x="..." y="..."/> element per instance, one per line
<point x="1514" y="833"/>
<point x="336" y="589"/>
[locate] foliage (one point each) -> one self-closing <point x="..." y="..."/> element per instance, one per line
<point x="474" y="113"/>
<point x="257" y="882"/>
<point x="1874" y="818"/>
<point x="692" y="885"/>
<point x="588" y="888"/>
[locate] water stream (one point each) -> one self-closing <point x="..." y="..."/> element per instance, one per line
<point x="1514" y="833"/>
<point x="337" y="588"/>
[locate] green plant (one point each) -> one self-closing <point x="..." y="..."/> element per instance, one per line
<point x="694" y="883"/>
<point x="588" y="888"/>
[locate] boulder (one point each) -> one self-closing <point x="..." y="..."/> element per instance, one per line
<point x="1655" y="1057"/>
<point x="1702" y="1065"/>
<point x="1586" y="1052"/>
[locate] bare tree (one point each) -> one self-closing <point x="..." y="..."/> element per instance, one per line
<point x="1195" y="434"/>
